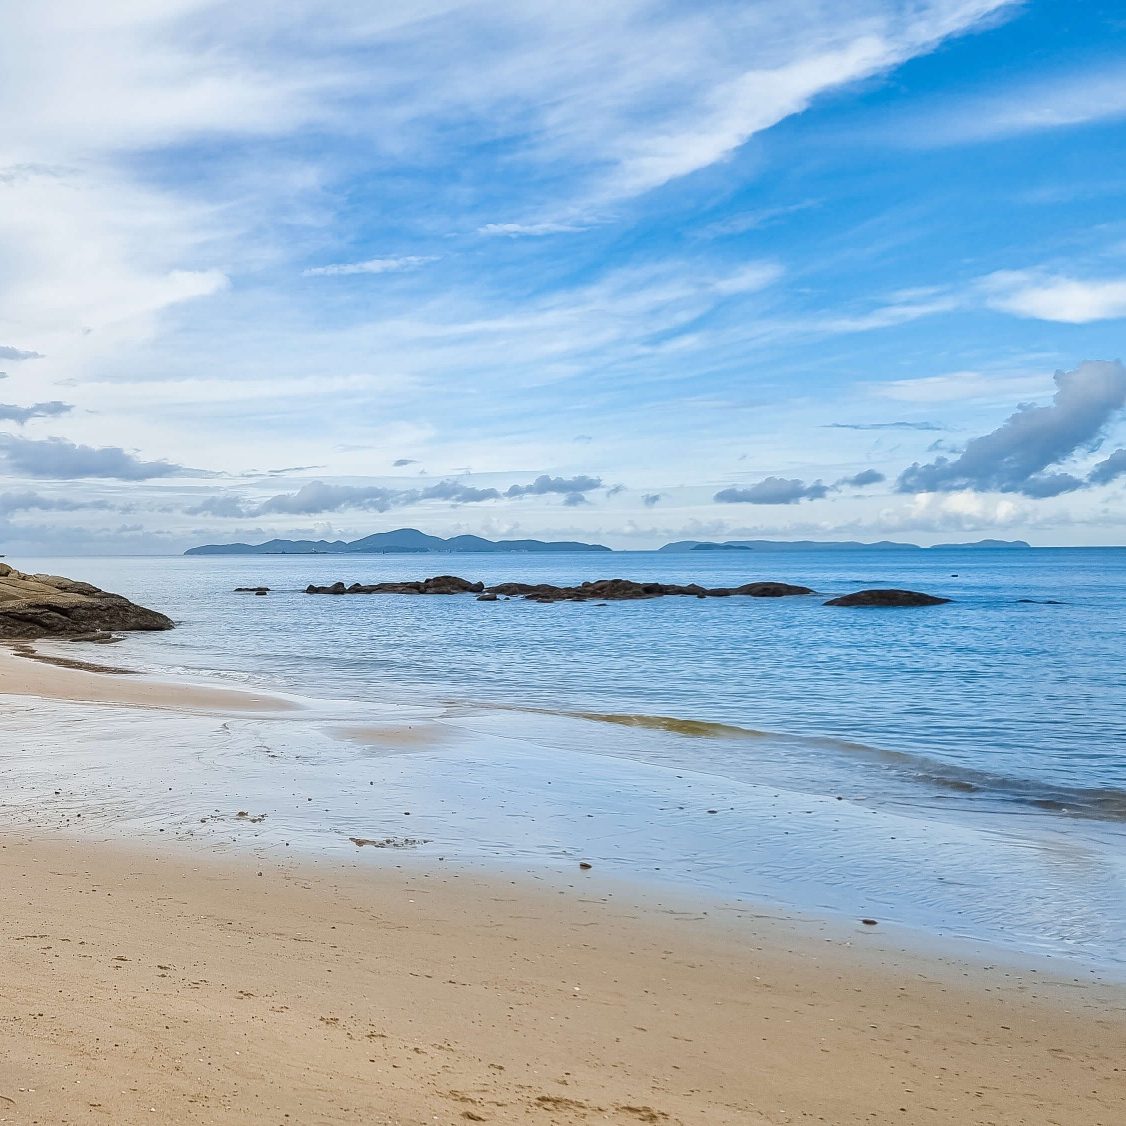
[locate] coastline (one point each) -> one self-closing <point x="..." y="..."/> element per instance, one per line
<point x="45" y="679"/>
<point x="242" y="986"/>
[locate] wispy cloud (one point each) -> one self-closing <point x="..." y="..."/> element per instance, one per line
<point x="370" y="266"/>
<point x="11" y="413"/>
<point x="882" y="426"/>
<point x="532" y="230"/>
<point x="1045" y="103"/>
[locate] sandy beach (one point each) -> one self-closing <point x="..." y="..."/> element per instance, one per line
<point x="184" y="985"/>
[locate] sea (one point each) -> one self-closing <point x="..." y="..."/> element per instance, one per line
<point x="957" y="770"/>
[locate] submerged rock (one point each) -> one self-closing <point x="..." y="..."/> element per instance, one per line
<point x="51" y="606"/>
<point x="887" y="598"/>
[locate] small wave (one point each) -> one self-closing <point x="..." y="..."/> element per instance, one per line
<point x="1099" y="803"/>
<point x="695" y="728"/>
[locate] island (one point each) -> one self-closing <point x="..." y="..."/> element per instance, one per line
<point x="402" y="541"/>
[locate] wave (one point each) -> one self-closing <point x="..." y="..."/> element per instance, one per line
<point x="1099" y="803"/>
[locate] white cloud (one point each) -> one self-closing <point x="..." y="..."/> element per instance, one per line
<point x="1058" y="102"/>
<point x="549" y="227"/>
<point x="370" y="266"/>
<point x="1046" y="297"/>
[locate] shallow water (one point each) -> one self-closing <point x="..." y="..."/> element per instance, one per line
<point x="960" y="768"/>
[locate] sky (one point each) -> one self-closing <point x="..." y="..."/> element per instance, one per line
<point x="631" y="272"/>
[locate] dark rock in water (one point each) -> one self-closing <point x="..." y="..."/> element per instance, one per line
<point x="98" y="637"/>
<point x="600" y="590"/>
<point x="49" y="606"/>
<point x="887" y="598"/>
<point x="252" y="590"/>
<point x="770" y="590"/>
<point x="1041" y="601"/>
<point x="440" y="584"/>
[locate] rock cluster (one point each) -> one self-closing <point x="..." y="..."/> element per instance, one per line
<point x="49" y="606"/>
<point x="887" y="598"/>
<point x="600" y="590"/>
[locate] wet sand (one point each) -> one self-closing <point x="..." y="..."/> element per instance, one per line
<point x="43" y="676"/>
<point x="176" y="985"/>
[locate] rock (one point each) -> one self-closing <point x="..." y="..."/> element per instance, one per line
<point x="252" y="590"/>
<point x="585" y="865"/>
<point x="599" y="590"/>
<point x="51" y="606"/>
<point x="771" y="590"/>
<point x="869" y="922"/>
<point x="887" y="598"/>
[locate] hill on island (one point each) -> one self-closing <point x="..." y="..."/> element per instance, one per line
<point x="403" y="541"/>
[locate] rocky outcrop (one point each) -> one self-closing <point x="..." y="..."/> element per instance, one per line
<point x="50" y="606"/>
<point x="887" y="598"/>
<point x="440" y="584"/>
<point x="600" y="590"/>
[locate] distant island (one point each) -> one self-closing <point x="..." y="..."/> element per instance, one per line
<point x="410" y="541"/>
<point x="403" y="541"/>
<point x="837" y="545"/>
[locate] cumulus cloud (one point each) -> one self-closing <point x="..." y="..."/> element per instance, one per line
<point x="773" y="490"/>
<point x="16" y="354"/>
<point x="544" y="485"/>
<point x="225" y="504"/>
<point x="62" y="460"/>
<point x="1052" y="298"/>
<point x="370" y="266"/>
<point x="11" y="413"/>
<point x="1013" y="458"/>
<point x="1110" y="469"/>
<point x="864" y="477"/>
<point x="319" y="497"/>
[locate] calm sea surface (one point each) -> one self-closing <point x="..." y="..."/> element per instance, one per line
<point x="987" y="735"/>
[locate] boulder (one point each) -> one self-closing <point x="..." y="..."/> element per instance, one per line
<point x="887" y="598"/>
<point x="51" y="606"/>
<point x="771" y="590"/>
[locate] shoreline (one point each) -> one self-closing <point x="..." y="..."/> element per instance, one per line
<point x="485" y="789"/>
<point x="45" y="678"/>
<point x="204" y="983"/>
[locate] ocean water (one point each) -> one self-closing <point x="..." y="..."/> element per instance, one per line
<point x="959" y="768"/>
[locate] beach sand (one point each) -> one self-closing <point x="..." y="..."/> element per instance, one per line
<point x="22" y="675"/>
<point x="180" y="986"/>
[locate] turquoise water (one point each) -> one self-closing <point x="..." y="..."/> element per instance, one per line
<point x="986" y="738"/>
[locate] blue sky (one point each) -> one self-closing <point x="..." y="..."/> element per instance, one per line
<point x="631" y="272"/>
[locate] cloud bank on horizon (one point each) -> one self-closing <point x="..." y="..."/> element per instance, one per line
<point x="786" y="269"/>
